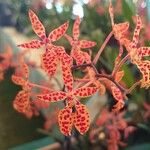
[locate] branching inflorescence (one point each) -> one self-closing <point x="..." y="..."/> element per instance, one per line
<point x="76" y="114"/>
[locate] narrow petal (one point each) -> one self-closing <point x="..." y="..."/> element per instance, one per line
<point x="37" y="26"/>
<point x="101" y="87"/>
<point x="32" y="44"/>
<point x="118" y="106"/>
<point x="119" y="75"/>
<point x="121" y="27"/>
<point x="65" y="120"/>
<point x="21" y="101"/>
<point x="120" y="32"/>
<point x="49" y="62"/>
<point x="66" y="63"/>
<point x="85" y="91"/>
<point x="76" y="30"/>
<point x="143" y="51"/>
<point x="86" y="44"/>
<point x="136" y="32"/>
<point x="67" y="77"/>
<point x="57" y="33"/>
<point x="18" y="80"/>
<point x="144" y="67"/>
<point x="103" y="118"/>
<point x="86" y="57"/>
<point x="81" y="118"/>
<point x="129" y="130"/>
<point x="116" y="93"/>
<point x="77" y="55"/>
<point x="69" y="38"/>
<point x="53" y="96"/>
<point x="60" y="51"/>
<point x="25" y="70"/>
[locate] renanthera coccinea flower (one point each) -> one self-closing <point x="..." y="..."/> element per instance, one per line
<point x="22" y="102"/>
<point x="77" y="44"/>
<point x="75" y="114"/>
<point x="39" y="29"/>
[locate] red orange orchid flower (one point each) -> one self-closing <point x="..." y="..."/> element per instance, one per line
<point x="39" y="29"/>
<point x="22" y="101"/>
<point x="67" y="117"/>
<point x="137" y="55"/>
<point x="77" y="44"/>
<point x="53" y="54"/>
<point x="120" y="29"/>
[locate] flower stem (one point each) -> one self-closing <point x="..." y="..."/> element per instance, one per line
<point x="102" y="48"/>
<point x="133" y="87"/>
<point x="110" y="78"/>
<point x="74" y="67"/>
<point x="117" y="68"/>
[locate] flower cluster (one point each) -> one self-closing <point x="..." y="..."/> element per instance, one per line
<point x="116" y="129"/>
<point x="75" y="114"/>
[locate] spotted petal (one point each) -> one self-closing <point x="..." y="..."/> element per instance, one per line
<point x="117" y="94"/>
<point x="49" y="62"/>
<point x="119" y="75"/>
<point x="136" y="32"/>
<point x="86" y="44"/>
<point x="143" y="51"/>
<point x="86" y="57"/>
<point x="66" y="71"/>
<point x="21" y="101"/>
<point x="18" y="80"/>
<point x="85" y="91"/>
<point x="144" y="67"/>
<point x="121" y="27"/>
<point x="32" y="44"/>
<point x="36" y="24"/>
<point x="25" y="70"/>
<point x="77" y="55"/>
<point x="53" y="96"/>
<point x="65" y="120"/>
<point x="119" y="32"/>
<point x="58" y="32"/>
<point x="81" y="118"/>
<point x="76" y="30"/>
<point x="69" y="38"/>
<point x="66" y="63"/>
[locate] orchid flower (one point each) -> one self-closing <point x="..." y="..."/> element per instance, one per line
<point x="22" y="101"/>
<point x="39" y="29"/>
<point x="77" y="44"/>
<point x="68" y="116"/>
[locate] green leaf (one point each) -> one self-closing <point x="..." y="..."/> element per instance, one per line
<point x="128" y="77"/>
<point x="127" y="11"/>
<point x="34" y="144"/>
<point x="145" y="146"/>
